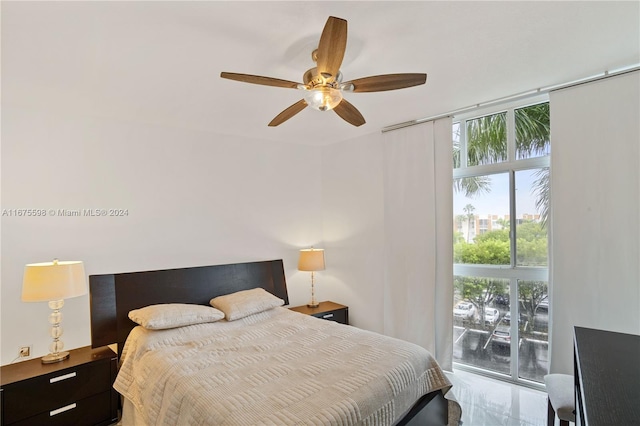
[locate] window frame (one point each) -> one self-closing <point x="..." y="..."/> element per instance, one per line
<point x="512" y="272"/>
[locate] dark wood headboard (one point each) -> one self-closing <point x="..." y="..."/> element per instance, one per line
<point x="112" y="296"/>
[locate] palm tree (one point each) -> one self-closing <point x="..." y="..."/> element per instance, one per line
<point x="487" y="139"/>
<point x="487" y="143"/>
<point x="504" y="223"/>
<point x="532" y="130"/>
<point x="469" y="209"/>
<point x="470" y="186"/>
<point x="541" y="188"/>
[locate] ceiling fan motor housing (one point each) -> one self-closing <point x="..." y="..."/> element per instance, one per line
<point x="312" y="79"/>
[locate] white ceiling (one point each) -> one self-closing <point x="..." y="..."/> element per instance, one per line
<point x="159" y="62"/>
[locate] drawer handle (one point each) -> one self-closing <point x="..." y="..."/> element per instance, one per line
<point x="327" y="316"/>
<point x="62" y="409"/>
<point x="63" y="377"/>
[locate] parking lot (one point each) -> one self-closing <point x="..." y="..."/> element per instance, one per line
<point x="488" y="345"/>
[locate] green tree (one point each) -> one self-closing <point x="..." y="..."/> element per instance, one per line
<point x="531" y="243"/>
<point x="531" y="294"/>
<point x="504" y="223"/>
<point x="493" y="247"/>
<point x="480" y="291"/>
<point x="488" y="252"/>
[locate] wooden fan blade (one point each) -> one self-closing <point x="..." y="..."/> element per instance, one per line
<point x="258" y="79"/>
<point x="380" y="83"/>
<point x="333" y="43"/>
<point x="349" y="113"/>
<point x="288" y="113"/>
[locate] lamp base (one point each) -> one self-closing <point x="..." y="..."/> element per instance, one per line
<point x="53" y="358"/>
<point x="313" y="305"/>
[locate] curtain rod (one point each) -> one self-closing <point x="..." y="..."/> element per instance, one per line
<point x="517" y="96"/>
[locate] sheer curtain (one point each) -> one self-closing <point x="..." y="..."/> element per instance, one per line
<point x="595" y="193"/>
<point x="418" y="211"/>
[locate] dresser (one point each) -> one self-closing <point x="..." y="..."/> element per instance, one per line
<point x="76" y="391"/>
<point x="607" y="377"/>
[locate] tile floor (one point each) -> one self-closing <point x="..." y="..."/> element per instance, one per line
<point x="490" y="402"/>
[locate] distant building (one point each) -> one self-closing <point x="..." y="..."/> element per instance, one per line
<point x="488" y="222"/>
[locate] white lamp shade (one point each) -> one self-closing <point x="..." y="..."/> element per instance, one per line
<point x="55" y="280"/>
<point x="311" y="260"/>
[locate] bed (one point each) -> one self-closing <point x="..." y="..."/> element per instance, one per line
<point x="270" y="366"/>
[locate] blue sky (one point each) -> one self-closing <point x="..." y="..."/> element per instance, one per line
<point x="497" y="201"/>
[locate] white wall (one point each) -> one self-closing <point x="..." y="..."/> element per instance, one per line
<point x="595" y="193"/>
<point x="353" y="228"/>
<point x="193" y="199"/>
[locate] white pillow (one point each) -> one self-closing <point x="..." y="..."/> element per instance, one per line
<point x="172" y="315"/>
<point x="246" y="302"/>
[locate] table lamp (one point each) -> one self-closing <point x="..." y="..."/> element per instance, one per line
<point x="53" y="282"/>
<point x="311" y="260"/>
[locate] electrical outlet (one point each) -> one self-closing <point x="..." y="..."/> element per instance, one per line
<point x="25" y="351"/>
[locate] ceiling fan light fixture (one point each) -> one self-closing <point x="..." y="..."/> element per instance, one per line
<point x="322" y="84"/>
<point x="323" y="98"/>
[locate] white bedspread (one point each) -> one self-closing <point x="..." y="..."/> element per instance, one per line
<point x="274" y="368"/>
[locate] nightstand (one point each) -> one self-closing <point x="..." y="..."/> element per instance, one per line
<point x="326" y="310"/>
<point x="77" y="390"/>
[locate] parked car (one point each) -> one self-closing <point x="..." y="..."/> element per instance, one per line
<point x="464" y="311"/>
<point x="502" y="335"/>
<point x="507" y="318"/>
<point x="502" y="299"/>
<point x="491" y="316"/>
<point x="544" y="304"/>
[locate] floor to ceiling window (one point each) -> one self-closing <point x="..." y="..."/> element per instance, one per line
<point x="501" y="202"/>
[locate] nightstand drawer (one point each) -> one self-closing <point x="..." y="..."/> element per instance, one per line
<point x="88" y="411"/>
<point x="52" y="391"/>
<point x="339" y="315"/>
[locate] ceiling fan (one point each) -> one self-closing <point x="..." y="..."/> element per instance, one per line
<point x="323" y="84"/>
